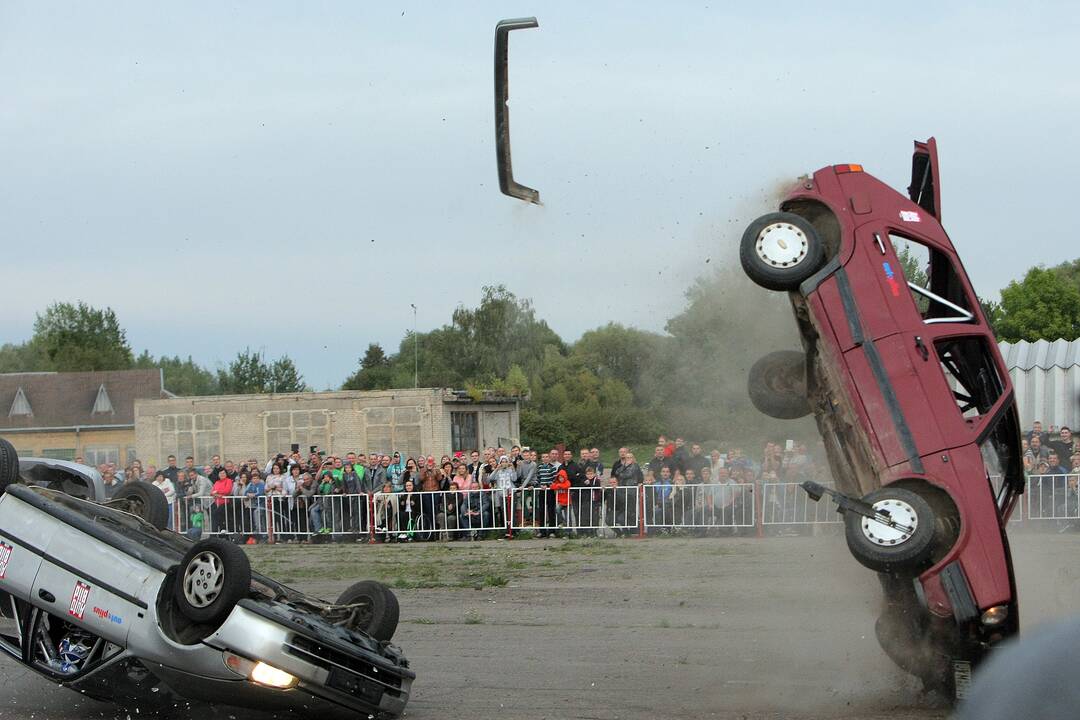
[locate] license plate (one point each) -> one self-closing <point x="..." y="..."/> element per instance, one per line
<point x="354" y="685"/>
<point x="961" y="678"/>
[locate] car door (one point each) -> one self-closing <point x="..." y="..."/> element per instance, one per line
<point x="91" y="583"/>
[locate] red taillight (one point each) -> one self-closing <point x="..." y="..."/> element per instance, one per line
<point x="847" y="168"/>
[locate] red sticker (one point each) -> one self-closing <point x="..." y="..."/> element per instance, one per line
<point x="78" y="599"/>
<point x="5" y="555"/>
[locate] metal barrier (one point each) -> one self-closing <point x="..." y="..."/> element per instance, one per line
<point x="1052" y="500"/>
<point x="427" y="515"/>
<point x="788" y="504"/>
<point x="582" y="509"/>
<point x="699" y="506"/>
<point x="1053" y="497"/>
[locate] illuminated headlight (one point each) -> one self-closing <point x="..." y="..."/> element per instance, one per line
<point x="269" y="675"/>
<point x="995" y="615"/>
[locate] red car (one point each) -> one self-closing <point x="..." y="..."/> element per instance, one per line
<point x="902" y="373"/>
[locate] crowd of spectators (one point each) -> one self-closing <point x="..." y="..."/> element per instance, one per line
<point x="464" y="495"/>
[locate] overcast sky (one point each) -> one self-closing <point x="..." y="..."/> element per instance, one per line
<point x="291" y="176"/>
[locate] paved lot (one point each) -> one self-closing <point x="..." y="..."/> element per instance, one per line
<point x="627" y="629"/>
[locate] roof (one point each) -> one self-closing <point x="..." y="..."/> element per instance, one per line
<point x="1042" y="354"/>
<point x="84" y="399"/>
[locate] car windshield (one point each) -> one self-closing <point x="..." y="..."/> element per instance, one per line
<point x="1000" y="447"/>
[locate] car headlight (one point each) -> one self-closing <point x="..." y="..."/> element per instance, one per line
<point x="995" y="615"/>
<point x="269" y="675"/>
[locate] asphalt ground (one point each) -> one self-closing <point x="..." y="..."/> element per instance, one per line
<point x="623" y="629"/>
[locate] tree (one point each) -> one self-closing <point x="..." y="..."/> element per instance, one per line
<point x="374" y="372"/>
<point x="182" y="377"/>
<point x="250" y="374"/>
<point x="24" y="357"/>
<point x="1042" y="306"/>
<point x="620" y="352"/>
<point x="74" y="338"/>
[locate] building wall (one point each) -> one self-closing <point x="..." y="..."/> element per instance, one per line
<point x="1046" y="377"/>
<point x="53" y="443"/>
<point x="239" y="427"/>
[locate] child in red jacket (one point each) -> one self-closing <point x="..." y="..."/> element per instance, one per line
<point x="561" y="486"/>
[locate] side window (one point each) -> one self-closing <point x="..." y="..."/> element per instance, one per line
<point x="971" y="374"/>
<point x="934" y="283"/>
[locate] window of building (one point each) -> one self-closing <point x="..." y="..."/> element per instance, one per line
<point x="463" y="432"/>
<point x="301" y="427"/>
<point x="97" y="455"/>
<point x="196" y="435"/>
<point x="935" y="285"/>
<point x="59" y="453"/>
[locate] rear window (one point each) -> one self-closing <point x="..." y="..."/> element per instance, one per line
<point x="933" y="281"/>
<point x="972" y="375"/>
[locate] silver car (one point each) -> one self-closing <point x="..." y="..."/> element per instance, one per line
<point x="100" y="600"/>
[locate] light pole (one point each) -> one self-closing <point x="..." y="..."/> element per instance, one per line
<point x="416" y="349"/>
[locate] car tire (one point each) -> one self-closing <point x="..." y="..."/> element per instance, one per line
<point x="777" y="385"/>
<point x="9" y="465"/>
<point x="889" y="550"/>
<point x="381" y="621"/>
<point x="146" y="501"/>
<point x="780" y="250"/>
<point x="213" y="576"/>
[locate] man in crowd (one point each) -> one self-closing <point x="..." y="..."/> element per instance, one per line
<point x="544" y="504"/>
<point x="1037" y="431"/>
<point x="1064" y="447"/>
<point x="172" y="472"/>
<point x="696" y="460"/>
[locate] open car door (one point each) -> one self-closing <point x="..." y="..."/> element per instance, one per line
<point x="925" y="188"/>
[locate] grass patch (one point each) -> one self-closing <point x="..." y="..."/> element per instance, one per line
<point x="472" y="617"/>
<point x="423" y="621"/>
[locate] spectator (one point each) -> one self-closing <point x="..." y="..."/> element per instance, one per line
<point x="353" y="505"/>
<point x="502" y="479"/>
<point x="695" y="461"/>
<point x="1054" y="465"/>
<point x="327" y="501"/>
<point x="1037" y="449"/>
<point x="615" y="501"/>
<point x="162" y="483"/>
<point x="306" y="494"/>
<point x="544" y="499"/>
<point x="395" y="468"/>
<point x="222" y="490"/>
<point x="594" y="457"/>
<point x="659" y="460"/>
<point x="112" y="485"/>
<point x="475" y="513"/>
<point x="587" y="512"/>
<point x="1037" y="432"/>
<point x="386" y="511"/>
<point x="619" y="462"/>
<point x="1064" y="447"/>
<point x="561" y="488"/>
<point x="172" y="472"/>
<point x="255" y="496"/>
<point x="409" y="511"/>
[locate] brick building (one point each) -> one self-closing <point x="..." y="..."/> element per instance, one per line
<point x="82" y="414"/>
<point x="428" y="420"/>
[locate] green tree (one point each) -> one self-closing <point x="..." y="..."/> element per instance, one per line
<point x="249" y="373"/>
<point x="23" y="357"/>
<point x="374" y="372"/>
<point x="1042" y="306"/>
<point x="73" y="338"/>
<point x="620" y="352"/>
<point x="182" y="377"/>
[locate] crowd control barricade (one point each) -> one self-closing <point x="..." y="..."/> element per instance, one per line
<point x="708" y="505"/>
<point x="788" y="504"/>
<point x="429" y="515"/>
<point x="335" y="516"/>
<point x="537" y="509"/>
<point x="1053" y="498"/>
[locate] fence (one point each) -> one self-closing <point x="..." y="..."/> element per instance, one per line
<point x="1051" y="501"/>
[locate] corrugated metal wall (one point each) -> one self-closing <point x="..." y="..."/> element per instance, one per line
<point x="1046" y="376"/>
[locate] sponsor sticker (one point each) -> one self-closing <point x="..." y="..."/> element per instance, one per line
<point x="910" y="216"/>
<point x="5" y="556"/>
<point x="105" y="614"/>
<point x="890" y="278"/>
<point x="78" y="599"/>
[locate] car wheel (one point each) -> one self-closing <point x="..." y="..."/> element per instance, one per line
<point x="377" y="608"/>
<point x="780" y="250"/>
<point x="146" y="501"/>
<point x="889" y="549"/>
<point x="213" y="576"/>
<point x="9" y="465"/>
<point x="777" y="385"/>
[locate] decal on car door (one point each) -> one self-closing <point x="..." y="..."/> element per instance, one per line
<point x="5" y="556"/>
<point x="78" y="599"/>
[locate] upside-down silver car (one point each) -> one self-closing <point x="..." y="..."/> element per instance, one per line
<point x="100" y="600"/>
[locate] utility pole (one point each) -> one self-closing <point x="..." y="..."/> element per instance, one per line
<point x="416" y="349"/>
